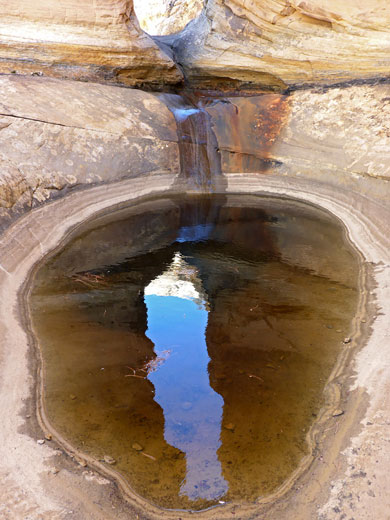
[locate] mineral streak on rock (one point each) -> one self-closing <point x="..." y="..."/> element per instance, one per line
<point x="46" y="149"/>
<point x="226" y="135"/>
<point x="247" y="129"/>
<point x="84" y="40"/>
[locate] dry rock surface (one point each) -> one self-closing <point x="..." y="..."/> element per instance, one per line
<point x="287" y="42"/>
<point x="89" y="40"/>
<point x="76" y="135"/>
<point x="162" y="17"/>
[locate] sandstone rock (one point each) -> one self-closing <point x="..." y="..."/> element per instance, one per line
<point x="95" y="41"/>
<point x="46" y="149"/>
<point x="74" y="135"/>
<point x="341" y="135"/>
<point x="166" y="16"/>
<point x="318" y="133"/>
<point x="286" y="42"/>
<point x="255" y="123"/>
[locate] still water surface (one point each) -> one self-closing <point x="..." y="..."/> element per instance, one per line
<point x="190" y="341"/>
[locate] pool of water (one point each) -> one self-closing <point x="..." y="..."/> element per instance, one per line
<point x="186" y="342"/>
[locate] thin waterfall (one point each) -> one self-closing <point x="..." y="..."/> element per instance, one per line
<point x="200" y="161"/>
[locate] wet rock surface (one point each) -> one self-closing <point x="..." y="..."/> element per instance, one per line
<point x="339" y="134"/>
<point x="112" y="134"/>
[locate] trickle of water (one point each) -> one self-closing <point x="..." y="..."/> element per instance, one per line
<point x="200" y="161"/>
<point x="189" y="341"/>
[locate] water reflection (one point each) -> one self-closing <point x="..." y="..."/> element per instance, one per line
<point x="177" y="319"/>
<point x="121" y="314"/>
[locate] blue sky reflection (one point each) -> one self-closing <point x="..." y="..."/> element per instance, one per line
<point x="177" y="321"/>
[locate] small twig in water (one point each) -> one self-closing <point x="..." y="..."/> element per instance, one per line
<point x="134" y="374"/>
<point x="89" y="285"/>
<point x="148" y="456"/>
<point x="150" y="366"/>
<point x="256" y="377"/>
<point x="89" y="280"/>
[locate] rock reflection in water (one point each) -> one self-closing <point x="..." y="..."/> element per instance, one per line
<point x="190" y="340"/>
<point x="177" y="321"/>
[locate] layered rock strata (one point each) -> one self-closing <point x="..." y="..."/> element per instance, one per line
<point x="87" y="40"/>
<point x="286" y="42"/>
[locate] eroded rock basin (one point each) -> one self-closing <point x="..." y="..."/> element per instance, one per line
<point x="187" y="342"/>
